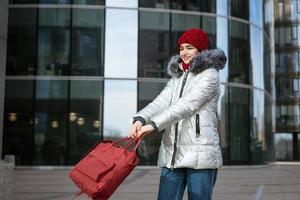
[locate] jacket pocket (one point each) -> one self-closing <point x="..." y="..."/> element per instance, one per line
<point x="197" y="126"/>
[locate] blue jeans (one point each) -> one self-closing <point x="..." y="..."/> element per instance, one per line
<point x="200" y="183"/>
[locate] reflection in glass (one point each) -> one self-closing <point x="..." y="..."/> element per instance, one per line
<point x="120" y="100"/>
<point x="18" y="117"/>
<point x="284" y="146"/>
<point x="88" y="42"/>
<point x="89" y="2"/>
<point x="223" y="123"/>
<point x="122" y="3"/>
<point x="239" y="113"/>
<point x="257" y="60"/>
<point x="148" y="152"/>
<point x="222" y="43"/>
<point x="21" y="42"/>
<point x="257" y="129"/>
<point x="85" y="117"/>
<point x="53" y="41"/>
<point x="222" y="7"/>
<point x="239" y="52"/>
<point x="256" y="12"/>
<point x="190" y="5"/>
<point x="121" y="43"/>
<point x="154" y="44"/>
<point x="239" y="8"/>
<point x="51" y="108"/>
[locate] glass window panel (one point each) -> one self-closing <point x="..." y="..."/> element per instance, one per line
<point x="88" y="42"/>
<point x="190" y="5"/>
<point x="120" y="100"/>
<point x="55" y="1"/>
<point x="54" y="41"/>
<point x="194" y="5"/>
<point x="18" y="118"/>
<point x="239" y="51"/>
<point x="222" y="7"/>
<point x="256" y="12"/>
<point x="154" y="44"/>
<point x="257" y="130"/>
<point x="21" y="42"/>
<point x="23" y="1"/>
<point x="122" y="3"/>
<point x="89" y="2"/>
<point x="284" y="146"/>
<point x="51" y="109"/>
<point x="239" y="116"/>
<point x="121" y="43"/>
<point x="239" y="8"/>
<point x="257" y="59"/>
<point x="148" y="152"/>
<point x="222" y="43"/>
<point x="85" y="117"/>
<point x="18" y="136"/>
<point x="154" y="3"/>
<point x="223" y="118"/>
<point x="19" y="96"/>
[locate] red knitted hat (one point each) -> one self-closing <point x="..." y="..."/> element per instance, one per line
<point x="196" y="37"/>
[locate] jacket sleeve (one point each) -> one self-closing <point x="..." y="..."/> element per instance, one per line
<point x="161" y="102"/>
<point x="206" y="88"/>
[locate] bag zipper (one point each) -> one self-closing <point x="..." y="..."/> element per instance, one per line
<point x="176" y="126"/>
<point x="197" y="126"/>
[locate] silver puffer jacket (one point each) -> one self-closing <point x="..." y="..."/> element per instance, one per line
<point x="186" y="110"/>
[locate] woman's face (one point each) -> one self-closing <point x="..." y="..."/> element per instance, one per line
<point x="187" y="52"/>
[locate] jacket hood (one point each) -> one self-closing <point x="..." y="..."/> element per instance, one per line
<point x="214" y="58"/>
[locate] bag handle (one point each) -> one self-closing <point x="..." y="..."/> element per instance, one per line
<point x="130" y="142"/>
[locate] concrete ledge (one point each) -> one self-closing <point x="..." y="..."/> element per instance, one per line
<point x="7" y="182"/>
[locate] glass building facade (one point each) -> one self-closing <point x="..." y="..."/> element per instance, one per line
<point x="287" y="47"/>
<point x="77" y="70"/>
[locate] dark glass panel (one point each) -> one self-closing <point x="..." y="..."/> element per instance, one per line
<point x="51" y="108"/>
<point x="54" y="41"/>
<point x="239" y="8"/>
<point x="194" y="5"/>
<point x="87" y="42"/>
<point x="154" y="3"/>
<point x="85" y="117"/>
<point x="239" y="52"/>
<point x="284" y="146"/>
<point x="148" y="152"/>
<point x="89" y="2"/>
<point x="189" y="5"/>
<point x="239" y="118"/>
<point x="154" y="44"/>
<point x="23" y="1"/>
<point x="21" y="42"/>
<point x="18" y="127"/>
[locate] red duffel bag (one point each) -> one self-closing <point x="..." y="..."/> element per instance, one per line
<point x="104" y="167"/>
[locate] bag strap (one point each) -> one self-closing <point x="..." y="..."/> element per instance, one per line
<point x="137" y="142"/>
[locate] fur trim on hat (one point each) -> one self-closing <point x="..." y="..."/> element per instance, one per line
<point x="214" y="58"/>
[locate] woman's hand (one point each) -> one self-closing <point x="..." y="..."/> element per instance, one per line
<point x="144" y="130"/>
<point x="134" y="129"/>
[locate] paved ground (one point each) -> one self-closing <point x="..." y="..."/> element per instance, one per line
<point x="273" y="182"/>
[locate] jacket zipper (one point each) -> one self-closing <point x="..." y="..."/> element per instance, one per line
<point x="197" y="126"/>
<point x="176" y="126"/>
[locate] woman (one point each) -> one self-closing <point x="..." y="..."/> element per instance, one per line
<point x="186" y="110"/>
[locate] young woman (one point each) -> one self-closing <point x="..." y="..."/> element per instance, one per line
<point x="186" y="110"/>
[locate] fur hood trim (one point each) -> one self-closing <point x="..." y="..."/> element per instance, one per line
<point x="214" y="58"/>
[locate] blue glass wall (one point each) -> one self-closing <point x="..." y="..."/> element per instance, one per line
<point x="75" y="74"/>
